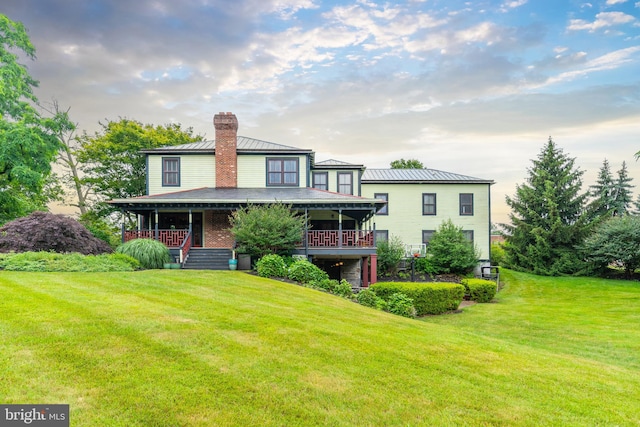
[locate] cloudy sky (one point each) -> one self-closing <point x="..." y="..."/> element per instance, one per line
<point x="472" y="87"/>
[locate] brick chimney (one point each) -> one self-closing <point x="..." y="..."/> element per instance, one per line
<point x="226" y="125"/>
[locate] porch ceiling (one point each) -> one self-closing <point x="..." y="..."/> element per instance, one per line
<point x="299" y="198"/>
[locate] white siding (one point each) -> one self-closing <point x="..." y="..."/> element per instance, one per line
<point x="196" y="171"/>
<point x="406" y="220"/>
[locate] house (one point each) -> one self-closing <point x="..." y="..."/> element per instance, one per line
<point x="193" y="188"/>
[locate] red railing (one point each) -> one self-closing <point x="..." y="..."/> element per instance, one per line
<point x="331" y="239"/>
<point x="171" y="238"/>
<point x="184" y="248"/>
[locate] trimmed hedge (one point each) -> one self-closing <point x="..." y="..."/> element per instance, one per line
<point x="479" y="290"/>
<point x="75" y="262"/>
<point x="428" y="298"/>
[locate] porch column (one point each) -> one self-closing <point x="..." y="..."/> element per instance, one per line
<point x="340" y="227"/>
<point x="365" y="272"/>
<point x="190" y="222"/>
<point x="374" y="268"/>
<point x="305" y="238"/>
<point x="156" y="228"/>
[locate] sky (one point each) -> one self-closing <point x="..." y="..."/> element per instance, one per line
<point x="470" y="87"/>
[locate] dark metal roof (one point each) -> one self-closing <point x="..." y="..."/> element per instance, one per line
<point x="233" y="198"/>
<point x="244" y="145"/>
<point x="419" y="176"/>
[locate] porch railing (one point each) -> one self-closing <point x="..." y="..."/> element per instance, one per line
<point x="340" y="239"/>
<point x="185" y="247"/>
<point x="171" y="238"/>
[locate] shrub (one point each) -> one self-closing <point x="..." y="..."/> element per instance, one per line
<point x="479" y="290"/>
<point x="368" y="298"/>
<point x="390" y="252"/>
<point x="267" y="229"/>
<point x="497" y="254"/>
<point x="271" y="265"/>
<point x="450" y="252"/>
<point x="303" y="271"/>
<point x="401" y="305"/>
<point x="42" y="231"/>
<point x="424" y="265"/>
<point x="74" y="262"/>
<point x="150" y="253"/>
<point x="428" y="298"/>
<point x="343" y="289"/>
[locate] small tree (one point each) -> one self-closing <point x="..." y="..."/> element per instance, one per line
<point x="615" y="241"/>
<point x="389" y="252"/>
<point x="42" y="231"/>
<point x="267" y="229"/>
<point x="449" y="251"/>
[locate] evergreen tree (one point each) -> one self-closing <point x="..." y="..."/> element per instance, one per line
<point x="602" y="193"/>
<point x="636" y="204"/>
<point x="622" y="192"/>
<point x="548" y="219"/>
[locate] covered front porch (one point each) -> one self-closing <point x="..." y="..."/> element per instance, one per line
<point x="338" y="226"/>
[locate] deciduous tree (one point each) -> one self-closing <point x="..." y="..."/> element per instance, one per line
<point x="112" y="162"/>
<point x="28" y="146"/>
<point x="548" y="218"/>
<point x="407" y="164"/>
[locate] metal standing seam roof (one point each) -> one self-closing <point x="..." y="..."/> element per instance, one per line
<point x="337" y="164"/>
<point x="244" y="144"/>
<point x="418" y="176"/>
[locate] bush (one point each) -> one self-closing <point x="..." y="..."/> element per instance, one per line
<point x="343" y="289"/>
<point x="450" y="252"/>
<point x="74" y="262"/>
<point x="261" y="230"/>
<point x="390" y="252"/>
<point x="368" y="298"/>
<point x="303" y="271"/>
<point x="424" y="265"/>
<point x="479" y="290"/>
<point x="401" y="305"/>
<point x="150" y="253"/>
<point x="428" y="298"/>
<point x="271" y="265"/>
<point x="42" y="231"/>
<point x="497" y="254"/>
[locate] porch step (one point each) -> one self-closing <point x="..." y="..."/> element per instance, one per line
<point x="208" y="259"/>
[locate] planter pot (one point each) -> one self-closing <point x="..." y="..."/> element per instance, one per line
<point x="233" y="264"/>
<point x="172" y="265"/>
<point x="176" y="266"/>
<point x="167" y="265"/>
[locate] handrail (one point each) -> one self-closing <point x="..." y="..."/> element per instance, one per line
<point x="185" y="247"/>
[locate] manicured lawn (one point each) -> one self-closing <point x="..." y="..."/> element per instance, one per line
<point x="171" y="347"/>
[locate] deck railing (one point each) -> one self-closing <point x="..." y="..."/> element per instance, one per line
<point x="340" y="239"/>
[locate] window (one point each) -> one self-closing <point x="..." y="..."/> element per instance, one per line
<point x="428" y="203"/>
<point x="468" y="234"/>
<point x="282" y="172"/>
<point x="321" y="180"/>
<point x="171" y="171"/>
<point x="382" y="235"/>
<point x="427" y="235"/>
<point x="345" y="182"/>
<point x="385" y="197"/>
<point x="466" y="203"/>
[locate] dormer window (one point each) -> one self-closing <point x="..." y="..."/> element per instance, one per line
<point x="282" y="172"/>
<point x="171" y="171"/>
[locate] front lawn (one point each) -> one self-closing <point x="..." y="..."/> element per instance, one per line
<point x="173" y="347"/>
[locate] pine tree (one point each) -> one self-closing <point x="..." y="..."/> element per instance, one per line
<point x="548" y="219"/>
<point x="636" y="204"/>
<point x="622" y="192"/>
<point x="602" y="193"/>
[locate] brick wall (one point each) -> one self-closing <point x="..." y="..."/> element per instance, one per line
<point x="217" y="232"/>
<point x="226" y="125"/>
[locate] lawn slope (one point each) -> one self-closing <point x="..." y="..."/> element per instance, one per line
<point x="170" y="348"/>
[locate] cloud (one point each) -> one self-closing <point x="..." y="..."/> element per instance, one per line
<point x="603" y="20"/>
<point x="613" y="2"/>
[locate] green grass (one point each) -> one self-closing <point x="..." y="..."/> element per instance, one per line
<point x="173" y="348"/>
